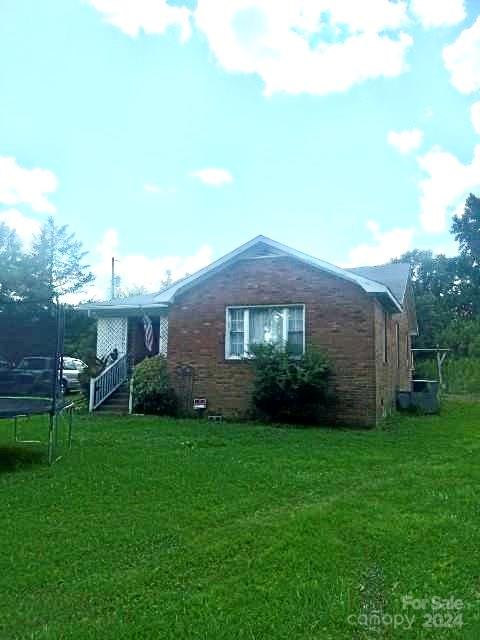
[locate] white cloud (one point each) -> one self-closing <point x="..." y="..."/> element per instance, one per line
<point x="311" y="46"/>
<point x="445" y="189"/>
<point x="405" y="141"/>
<point x="151" y="188"/>
<point x="438" y="13"/>
<point x="149" y="16"/>
<point x="462" y="59"/>
<point x="25" y="227"/>
<point x="301" y="46"/>
<point x="213" y="177"/>
<point x="475" y="116"/>
<point x="26" y="186"/>
<point x="450" y="249"/>
<point x="385" y="246"/>
<point x="139" y="270"/>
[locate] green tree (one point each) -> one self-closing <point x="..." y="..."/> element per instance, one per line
<point x="58" y="262"/>
<point x="434" y="280"/>
<point x="466" y="229"/>
<point x="12" y="265"/>
<point x="80" y="335"/>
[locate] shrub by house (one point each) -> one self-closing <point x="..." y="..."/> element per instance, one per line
<point x="290" y="388"/>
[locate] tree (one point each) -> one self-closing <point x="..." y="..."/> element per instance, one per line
<point x="57" y="262"/>
<point x="80" y="335"/>
<point x="127" y="292"/>
<point x="466" y="229"/>
<point x="167" y="281"/>
<point x="140" y="290"/>
<point x="12" y="265"/>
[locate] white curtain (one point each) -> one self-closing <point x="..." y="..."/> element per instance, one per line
<point x="266" y="326"/>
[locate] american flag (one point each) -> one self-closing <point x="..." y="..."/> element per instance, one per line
<point x="147" y="326"/>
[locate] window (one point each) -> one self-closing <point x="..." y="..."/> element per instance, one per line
<point x="385" y="337"/>
<point x="282" y="326"/>
<point x="397" y="334"/>
<point x="237" y="332"/>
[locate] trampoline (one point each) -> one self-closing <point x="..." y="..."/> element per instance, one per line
<point x="26" y="391"/>
<point x="23" y="406"/>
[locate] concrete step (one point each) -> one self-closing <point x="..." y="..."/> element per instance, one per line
<point x="117" y="403"/>
<point x="112" y="400"/>
<point x="113" y="407"/>
<point x="118" y="411"/>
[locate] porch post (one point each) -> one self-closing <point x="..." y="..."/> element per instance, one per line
<point x="92" y="395"/>
<point x="163" y="336"/>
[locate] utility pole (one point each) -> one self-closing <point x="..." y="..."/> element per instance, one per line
<point x="113" y="277"/>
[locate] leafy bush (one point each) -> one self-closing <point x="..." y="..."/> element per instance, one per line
<point x="152" y="391"/>
<point x="290" y="388"/>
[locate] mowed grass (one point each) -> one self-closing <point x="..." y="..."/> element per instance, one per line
<point x="152" y="528"/>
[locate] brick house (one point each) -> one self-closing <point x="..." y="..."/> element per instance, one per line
<point x="362" y="318"/>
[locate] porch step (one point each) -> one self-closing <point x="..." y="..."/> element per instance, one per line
<point x="116" y="403"/>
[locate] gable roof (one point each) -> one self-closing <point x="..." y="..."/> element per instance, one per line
<point x="394" y="275"/>
<point x="165" y="297"/>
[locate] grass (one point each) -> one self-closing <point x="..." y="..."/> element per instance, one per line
<point x="152" y="528"/>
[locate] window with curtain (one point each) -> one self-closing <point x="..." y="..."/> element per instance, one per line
<point x="281" y="326"/>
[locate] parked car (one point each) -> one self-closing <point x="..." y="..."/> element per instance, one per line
<point x="72" y="367"/>
<point x="4" y="363"/>
<point x="33" y="374"/>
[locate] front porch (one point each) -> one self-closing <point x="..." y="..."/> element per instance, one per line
<point x="125" y="335"/>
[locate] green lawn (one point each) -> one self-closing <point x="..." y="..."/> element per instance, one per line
<point x="179" y="529"/>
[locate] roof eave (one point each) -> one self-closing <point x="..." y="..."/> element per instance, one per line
<point x="389" y="300"/>
<point x="368" y="285"/>
<point x="121" y="307"/>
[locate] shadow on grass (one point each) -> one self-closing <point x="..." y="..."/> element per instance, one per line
<point x="17" y="458"/>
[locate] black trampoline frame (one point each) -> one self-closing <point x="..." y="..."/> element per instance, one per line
<point x="52" y="407"/>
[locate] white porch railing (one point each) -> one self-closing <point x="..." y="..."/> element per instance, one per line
<point x="130" y="396"/>
<point x="107" y="382"/>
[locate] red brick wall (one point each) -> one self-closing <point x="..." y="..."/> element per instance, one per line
<point x="339" y="319"/>
<point x="394" y="374"/>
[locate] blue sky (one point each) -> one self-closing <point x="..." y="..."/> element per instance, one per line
<point x="168" y="134"/>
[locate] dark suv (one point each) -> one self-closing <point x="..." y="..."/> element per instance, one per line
<point x="32" y="376"/>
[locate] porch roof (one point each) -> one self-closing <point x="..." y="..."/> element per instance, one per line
<point x="162" y="299"/>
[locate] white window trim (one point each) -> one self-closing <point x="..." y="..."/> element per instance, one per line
<point x="246" y="325"/>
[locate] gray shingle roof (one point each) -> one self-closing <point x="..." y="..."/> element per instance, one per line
<point x="394" y="275"/>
